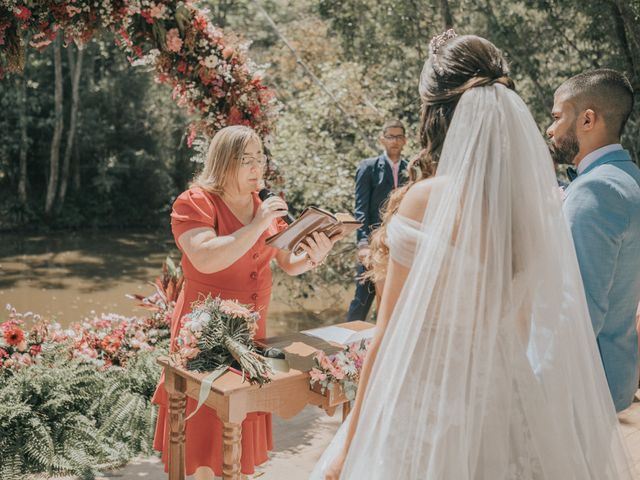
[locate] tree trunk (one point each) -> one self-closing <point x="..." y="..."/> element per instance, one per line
<point x="75" y="71"/>
<point x="76" y="169"/>
<point x="628" y="33"/>
<point x="24" y="139"/>
<point x="447" y="17"/>
<point x="52" y="186"/>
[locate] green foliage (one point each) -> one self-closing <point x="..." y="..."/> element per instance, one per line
<point x="65" y="417"/>
<point x="367" y="53"/>
<point x="129" y="147"/>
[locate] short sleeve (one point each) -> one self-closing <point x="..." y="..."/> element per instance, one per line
<point x="192" y="209"/>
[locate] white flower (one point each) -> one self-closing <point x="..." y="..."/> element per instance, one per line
<point x="210" y="62"/>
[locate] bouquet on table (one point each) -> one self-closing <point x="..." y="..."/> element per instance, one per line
<point x="342" y="368"/>
<point x="218" y="334"/>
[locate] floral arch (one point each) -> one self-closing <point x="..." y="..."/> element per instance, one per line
<point x="209" y="76"/>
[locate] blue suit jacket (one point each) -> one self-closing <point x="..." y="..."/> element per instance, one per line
<point x="602" y="206"/>
<point x="374" y="183"/>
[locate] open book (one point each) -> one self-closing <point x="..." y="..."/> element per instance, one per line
<point x="313" y="219"/>
<point x="341" y="335"/>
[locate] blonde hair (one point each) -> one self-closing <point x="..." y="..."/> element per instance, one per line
<point x="224" y="157"/>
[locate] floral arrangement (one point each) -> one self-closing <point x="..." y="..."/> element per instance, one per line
<point x="210" y="75"/>
<point x="216" y="333"/>
<point x="21" y="347"/>
<point x="105" y="340"/>
<point x="111" y="339"/>
<point x="342" y="368"/>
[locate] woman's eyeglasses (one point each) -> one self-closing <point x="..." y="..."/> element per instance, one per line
<point x="258" y="161"/>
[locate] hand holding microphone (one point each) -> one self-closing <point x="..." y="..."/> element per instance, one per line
<point x="268" y="211"/>
<point x="316" y="246"/>
<point x="266" y="194"/>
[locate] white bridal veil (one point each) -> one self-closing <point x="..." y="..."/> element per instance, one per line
<point x="489" y="368"/>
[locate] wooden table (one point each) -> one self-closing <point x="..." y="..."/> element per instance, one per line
<point x="232" y="399"/>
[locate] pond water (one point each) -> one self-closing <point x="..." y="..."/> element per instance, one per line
<point x="68" y="276"/>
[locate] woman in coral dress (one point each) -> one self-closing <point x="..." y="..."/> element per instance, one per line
<point x="220" y="225"/>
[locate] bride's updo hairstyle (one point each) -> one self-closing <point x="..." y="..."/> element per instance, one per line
<point x="455" y="65"/>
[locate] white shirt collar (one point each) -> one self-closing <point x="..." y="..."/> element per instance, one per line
<point x="596" y="154"/>
<point x="386" y="157"/>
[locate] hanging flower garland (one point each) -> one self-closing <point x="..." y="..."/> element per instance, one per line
<point x="211" y="77"/>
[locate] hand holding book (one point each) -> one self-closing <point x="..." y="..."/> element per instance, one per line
<point x="313" y="220"/>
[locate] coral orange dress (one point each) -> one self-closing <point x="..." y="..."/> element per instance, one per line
<point x="248" y="280"/>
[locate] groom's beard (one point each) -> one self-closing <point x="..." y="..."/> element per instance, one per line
<point x="564" y="150"/>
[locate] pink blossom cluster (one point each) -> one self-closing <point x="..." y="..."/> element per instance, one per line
<point x="209" y="75"/>
<point x="105" y="340"/>
<point x="21" y="347"/>
<point x="112" y="339"/>
<point x="342" y="368"/>
<point x="78" y="19"/>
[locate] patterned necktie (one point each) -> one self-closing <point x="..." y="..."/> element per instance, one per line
<point x="572" y="173"/>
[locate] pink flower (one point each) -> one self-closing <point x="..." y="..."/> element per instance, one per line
<point x="147" y="16"/>
<point x="316" y="375"/>
<point x="325" y="363"/>
<point x="227" y="52"/>
<point x="13" y="334"/>
<point x="182" y="66"/>
<point x="71" y="10"/>
<point x="157" y="11"/>
<point x="25" y="360"/>
<point x="174" y="42"/>
<point x="234" y="309"/>
<point x="22" y="12"/>
<point x="200" y="23"/>
<point x="192" y="136"/>
<point x="235" y="116"/>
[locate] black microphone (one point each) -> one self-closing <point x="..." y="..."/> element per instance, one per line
<point x="266" y="193"/>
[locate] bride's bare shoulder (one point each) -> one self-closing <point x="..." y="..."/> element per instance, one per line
<point x="415" y="201"/>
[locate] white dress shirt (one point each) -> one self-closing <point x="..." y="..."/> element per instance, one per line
<point x="596" y="154"/>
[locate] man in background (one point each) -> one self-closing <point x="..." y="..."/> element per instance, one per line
<point x="376" y="177"/>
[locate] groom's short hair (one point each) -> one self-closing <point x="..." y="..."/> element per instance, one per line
<point x="392" y="123"/>
<point x="607" y="92"/>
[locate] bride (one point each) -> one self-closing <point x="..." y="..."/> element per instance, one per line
<point x="484" y="365"/>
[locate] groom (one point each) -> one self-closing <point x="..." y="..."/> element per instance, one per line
<point x="602" y="206"/>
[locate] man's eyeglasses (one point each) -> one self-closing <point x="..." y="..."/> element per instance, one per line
<point x="392" y="138"/>
<point x="258" y="161"/>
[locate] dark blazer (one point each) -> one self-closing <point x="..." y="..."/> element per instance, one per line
<point x="374" y="183"/>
